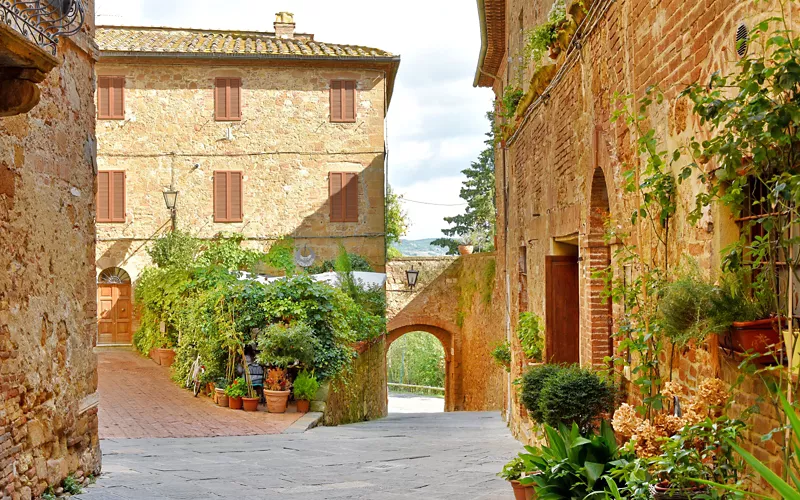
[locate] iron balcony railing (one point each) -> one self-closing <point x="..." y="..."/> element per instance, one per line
<point x="43" y="21"/>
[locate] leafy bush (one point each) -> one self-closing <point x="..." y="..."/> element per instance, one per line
<point x="226" y="251"/>
<point x="533" y="381"/>
<point x="416" y="358"/>
<point x="175" y="248"/>
<point x="357" y="263"/>
<point x="540" y="38"/>
<point x="529" y="332"/>
<point x="502" y="355"/>
<point x="237" y="389"/>
<point x="508" y="107"/>
<point x="286" y="345"/>
<point x="575" y="395"/>
<point x="513" y="470"/>
<point x="686" y="307"/>
<point x="572" y="465"/>
<point x="305" y="386"/>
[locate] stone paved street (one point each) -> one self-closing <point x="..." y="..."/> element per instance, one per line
<point x="431" y="456"/>
<point x="413" y="403"/>
<point x="138" y="400"/>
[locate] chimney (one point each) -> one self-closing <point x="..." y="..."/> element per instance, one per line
<point x="284" y="25"/>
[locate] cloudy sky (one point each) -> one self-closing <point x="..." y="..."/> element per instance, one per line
<point x="436" y="119"/>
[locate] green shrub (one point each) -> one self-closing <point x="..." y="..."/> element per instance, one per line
<point x="533" y="381"/>
<point x="502" y="355"/>
<point x="357" y="263"/>
<point x="685" y="308"/>
<point x="237" y="389"/>
<point x="529" y="332"/>
<point x="513" y="470"/>
<point x="175" y="248"/>
<point x="575" y="395"/>
<point x="416" y="358"/>
<point x="284" y="345"/>
<point x="305" y="386"/>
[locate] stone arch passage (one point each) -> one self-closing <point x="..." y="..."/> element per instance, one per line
<point x="452" y="381"/>
<point x="597" y="339"/>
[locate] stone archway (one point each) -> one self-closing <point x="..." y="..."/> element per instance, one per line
<point x="597" y="341"/>
<point x="452" y="376"/>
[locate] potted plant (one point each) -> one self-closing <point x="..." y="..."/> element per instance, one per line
<point x="276" y="390"/>
<point x="513" y="472"/>
<point x="166" y="356"/>
<point x="305" y="387"/>
<point x="221" y="397"/>
<point x="235" y="392"/>
<point x="502" y="355"/>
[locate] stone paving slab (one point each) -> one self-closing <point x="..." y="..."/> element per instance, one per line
<point x="409" y="456"/>
<point x="139" y="400"/>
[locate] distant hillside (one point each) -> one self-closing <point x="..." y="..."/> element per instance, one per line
<point x="420" y="248"/>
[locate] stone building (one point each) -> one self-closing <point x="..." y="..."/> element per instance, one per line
<point x="48" y="375"/>
<point x="267" y="135"/>
<point x="559" y="169"/>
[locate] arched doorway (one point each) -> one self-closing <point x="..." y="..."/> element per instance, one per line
<point x="451" y="387"/>
<point x="597" y="256"/>
<point x="114" y="307"/>
<point x="415" y="369"/>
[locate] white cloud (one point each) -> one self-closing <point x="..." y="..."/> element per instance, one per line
<point x="436" y="120"/>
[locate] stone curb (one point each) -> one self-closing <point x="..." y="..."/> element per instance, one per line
<point x="304" y="423"/>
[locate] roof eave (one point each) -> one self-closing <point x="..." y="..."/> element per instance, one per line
<point x="484" y="42"/>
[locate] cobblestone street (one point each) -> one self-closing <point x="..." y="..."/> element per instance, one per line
<point x="432" y="456"/>
<point x="138" y="400"/>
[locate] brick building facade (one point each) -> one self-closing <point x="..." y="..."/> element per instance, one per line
<point x="267" y="135"/>
<point x="559" y="173"/>
<point x="48" y="372"/>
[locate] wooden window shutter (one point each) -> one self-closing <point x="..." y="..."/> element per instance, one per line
<point x="228" y="196"/>
<point x="111" y="97"/>
<point x="228" y="99"/>
<point x="335" y="181"/>
<point x="351" y="198"/>
<point x="103" y="196"/>
<point x="343" y="101"/>
<point x="111" y="196"/>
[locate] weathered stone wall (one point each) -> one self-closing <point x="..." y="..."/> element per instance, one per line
<point x="565" y="165"/>
<point x="48" y="376"/>
<point x="360" y="394"/>
<point x="456" y="300"/>
<point x="285" y="144"/>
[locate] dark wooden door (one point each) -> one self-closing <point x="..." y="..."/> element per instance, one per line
<point x="563" y="309"/>
<point x="114" y="314"/>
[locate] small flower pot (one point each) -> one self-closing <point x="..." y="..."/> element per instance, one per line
<point x="250" y="404"/>
<point x="466" y="249"/>
<point x="276" y="401"/>
<point x="222" y="398"/>
<point x="519" y="490"/>
<point x="234" y="403"/>
<point x="756" y="337"/>
<point x="303" y="405"/>
<point x="166" y="356"/>
<point x="554" y="51"/>
<point x="662" y="491"/>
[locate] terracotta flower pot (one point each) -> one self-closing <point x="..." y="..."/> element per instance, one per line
<point x="662" y="492"/>
<point x="222" y="398"/>
<point x="166" y="356"/>
<point x="519" y="490"/>
<point x="235" y="403"/>
<point x="250" y="404"/>
<point x="466" y="249"/>
<point x="154" y="356"/>
<point x="754" y="336"/>
<point x="303" y="405"/>
<point x="554" y="51"/>
<point x="276" y="401"/>
<point x="530" y="493"/>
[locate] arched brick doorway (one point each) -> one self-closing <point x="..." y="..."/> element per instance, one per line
<point x="597" y="340"/>
<point x="452" y="382"/>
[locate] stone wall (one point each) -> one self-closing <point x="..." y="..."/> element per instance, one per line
<point x="562" y="172"/>
<point x="359" y="394"/>
<point x="458" y="300"/>
<point x="48" y="376"/>
<point x="285" y="144"/>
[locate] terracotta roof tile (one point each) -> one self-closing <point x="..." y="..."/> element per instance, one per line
<point x="217" y="42"/>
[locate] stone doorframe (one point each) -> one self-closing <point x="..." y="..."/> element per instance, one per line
<point x="453" y="393"/>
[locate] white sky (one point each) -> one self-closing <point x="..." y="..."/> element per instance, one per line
<point x="436" y="119"/>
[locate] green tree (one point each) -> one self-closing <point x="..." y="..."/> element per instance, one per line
<point x="476" y="226"/>
<point x="396" y="222"/>
<point x="416" y="358"/>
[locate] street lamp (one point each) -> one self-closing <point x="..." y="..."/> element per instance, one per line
<point x="411" y="277"/>
<point x="171" y="199"/>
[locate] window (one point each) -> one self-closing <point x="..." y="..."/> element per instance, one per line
<point x="343" y="101"/>
<point x="228" y="196"/>
<point x="111" y="97"/>
<point x="111" y="196"/>
<point x="228" y="99"/>
<point x="343" y="194"/>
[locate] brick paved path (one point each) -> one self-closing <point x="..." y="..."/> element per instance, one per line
<point x="139" y="400"/>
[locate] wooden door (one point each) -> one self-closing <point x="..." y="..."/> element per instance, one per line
<point x="563" y="309"/>
<point x="114" y="314"/>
